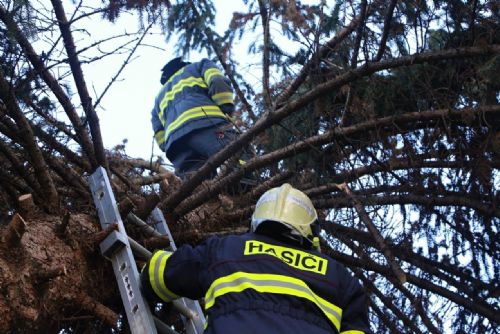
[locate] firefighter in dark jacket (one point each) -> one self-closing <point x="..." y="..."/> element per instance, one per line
<point x="271" y="280"/>
<point x="191" y="113"/>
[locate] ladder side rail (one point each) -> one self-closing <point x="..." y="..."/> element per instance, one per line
<point x="117" y="248"/>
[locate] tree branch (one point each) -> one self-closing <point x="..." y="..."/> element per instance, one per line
<point x="265" y="54"/>
<point x="274" y="117"/>
<point x="51" y="82"/>
<point x="387" y="28"/>
<point x="227" y="69"/>
<point x="81" y="85"/>
<point x="388" y="124"/>
<point x="487" y="209"/>
<point x="443" y="271"/>
<point x="488" y="312"/>
<point x="408" y="323"/>
<point x="17" y="166"/>
<point x="398" y="272"/>
<point x="125" y="63"/>
<point x="29" y="143"/>
<point x="327" y="48"/>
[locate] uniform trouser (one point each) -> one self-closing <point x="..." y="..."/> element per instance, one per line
<point x="190" y="152"/>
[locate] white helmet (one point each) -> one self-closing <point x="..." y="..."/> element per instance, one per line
<point x="290" y="208"/>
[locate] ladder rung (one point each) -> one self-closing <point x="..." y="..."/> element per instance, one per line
<point x="162" y="327"/>
<point x="143" y="225"/>
<point x="139" y="249"/>
<point x="184" y="310"/>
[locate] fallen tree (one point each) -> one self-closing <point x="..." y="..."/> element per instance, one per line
<point x="396" y="144"/>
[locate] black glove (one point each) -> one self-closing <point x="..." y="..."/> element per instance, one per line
<point x="227" y="108"/>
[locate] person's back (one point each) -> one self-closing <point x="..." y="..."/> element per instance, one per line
<point x="191" y="113"/>
<point x="271" y="280"/>
<point x="261" y="285"/>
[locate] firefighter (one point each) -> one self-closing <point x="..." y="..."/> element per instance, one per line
<point x="270" y="280"/>
<point x="191" y="113"/>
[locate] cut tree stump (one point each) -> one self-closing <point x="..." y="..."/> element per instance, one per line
<point x="27" y="206"/>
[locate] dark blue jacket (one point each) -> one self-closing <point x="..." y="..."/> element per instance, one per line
<point x="191" y="99"/>
<point x="254" y="284"/>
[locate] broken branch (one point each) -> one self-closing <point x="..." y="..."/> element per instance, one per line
<point x="11" y="236"/>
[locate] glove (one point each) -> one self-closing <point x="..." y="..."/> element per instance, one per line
<point x="227" y="108"/>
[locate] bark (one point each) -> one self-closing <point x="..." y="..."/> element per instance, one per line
<point x="90" y="305"/>
<point x="265" y="17"/>
<point x="387" y="28"/>
<point x="43" y="277"/>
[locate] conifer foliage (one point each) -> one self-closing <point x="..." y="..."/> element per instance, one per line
<point x="385" y="113"/>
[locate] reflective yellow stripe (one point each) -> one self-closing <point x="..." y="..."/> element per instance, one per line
<point x="352" y="332"/>
<point x="160" y="137"/>
<point x="222" y="98"/>
<point x="156" y="273"/>
<point x="177" y="88"/>
<point x="175" y="75"/>
<point x="271" y="283"/>
<point x="210" y="73"/>
<point x="196" y="112"/>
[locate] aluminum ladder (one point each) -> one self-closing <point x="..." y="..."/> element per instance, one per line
<point x="119" y="248"/>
